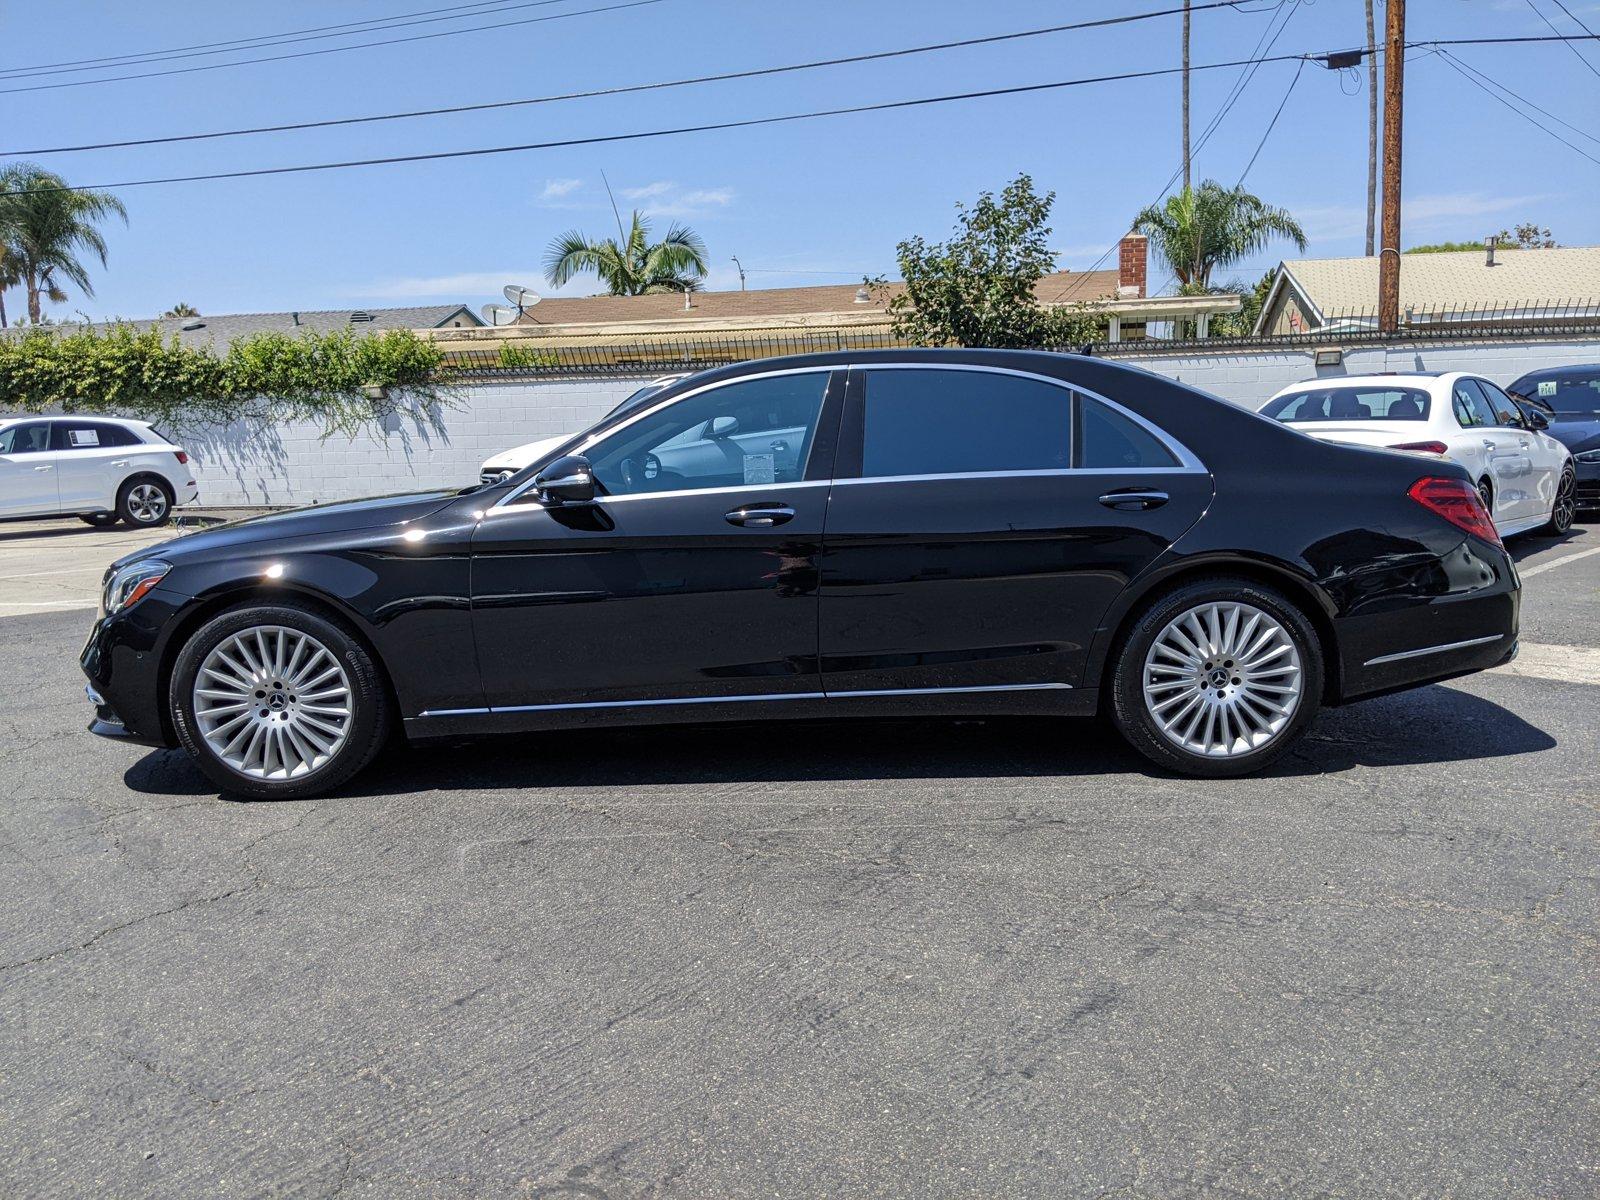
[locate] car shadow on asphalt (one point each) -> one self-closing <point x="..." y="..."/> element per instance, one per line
<point x="1578" y="537"/>
<point x="1429" y="725"/>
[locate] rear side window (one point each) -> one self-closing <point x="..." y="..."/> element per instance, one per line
<point x="1109" y="440"/>
<point x="1350" y="404"/>
<point x="1471" y="406"/>
<point x="89" y="435"/>
<point x="938" y="422"/>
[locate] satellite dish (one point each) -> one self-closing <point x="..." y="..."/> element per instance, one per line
<point x="499" y="314"/>
<point x="520" y="297"/>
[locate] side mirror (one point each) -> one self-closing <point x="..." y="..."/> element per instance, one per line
<point x="1536" y="419"/>
<point x="567" y="480"/>
<point x="722" y="427"/>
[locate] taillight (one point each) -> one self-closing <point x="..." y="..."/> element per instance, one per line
<point x="182" y="457"/>
<point x="1458" y="502"/>
<point x="1426" y="447"/>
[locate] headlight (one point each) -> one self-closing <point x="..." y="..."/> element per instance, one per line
<point x="1588" y="456"/>
<point x="129" y="585"/>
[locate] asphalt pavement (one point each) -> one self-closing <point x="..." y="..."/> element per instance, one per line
<point x="824" y="959"/>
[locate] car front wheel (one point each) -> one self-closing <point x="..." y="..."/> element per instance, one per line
<point x="1217" y="678"/>
<point x="277" y="702"/>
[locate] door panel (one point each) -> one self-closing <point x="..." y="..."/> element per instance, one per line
<point x="648" y="597"/>
<point x="27" y="470"/>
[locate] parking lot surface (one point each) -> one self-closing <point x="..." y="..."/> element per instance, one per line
<point x="872" y="959"/>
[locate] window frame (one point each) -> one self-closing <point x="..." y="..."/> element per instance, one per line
<point x="851" y="438"/>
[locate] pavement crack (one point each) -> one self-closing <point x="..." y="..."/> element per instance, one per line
<point x="100" y="935"/>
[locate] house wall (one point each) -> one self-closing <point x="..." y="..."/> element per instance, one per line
<point x="241" y="464"/>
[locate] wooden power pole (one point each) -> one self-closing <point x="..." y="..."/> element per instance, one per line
<point x="1372" y="134"/>
<point x="1394" y="61"/>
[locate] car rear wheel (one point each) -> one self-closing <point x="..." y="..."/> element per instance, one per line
<point x="144" y="503"/>
<point x="278" y="702"/>
<point x="1217" y="678"/>
<point x="1565" y="506"/>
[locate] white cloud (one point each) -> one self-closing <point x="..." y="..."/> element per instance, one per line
<point x="555" y="189"/>
<point x="1452" y="211"/>
<point x="649" y="191"/>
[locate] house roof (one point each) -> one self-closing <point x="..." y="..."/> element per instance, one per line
<point x="1459" y="280"/>
<point x="223" y="329"/>
<point x="765" y="304"/>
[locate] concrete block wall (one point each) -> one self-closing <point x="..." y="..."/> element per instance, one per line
<point x="241" y="464"/>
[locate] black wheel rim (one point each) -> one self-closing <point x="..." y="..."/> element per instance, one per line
<point x="1566" y="506"/>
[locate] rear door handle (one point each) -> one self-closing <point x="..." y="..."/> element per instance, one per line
<point x="121" y="462"/>
<point x="45" y="468"/>
<point x="759" y="516"/>
<point x="1134" y="499"/>
<point x="1487" y="444"/>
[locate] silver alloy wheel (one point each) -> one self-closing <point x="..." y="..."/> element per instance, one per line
<point x="273" y="703"/>
<point x="1222" y="679"/>
<point x="147" y="503"/>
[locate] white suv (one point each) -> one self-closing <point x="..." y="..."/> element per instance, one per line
<point x="1525" y="476"/>
<point x="96" y="468"/>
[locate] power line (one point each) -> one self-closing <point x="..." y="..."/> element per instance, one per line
<point x="1520" y="98"/>
<point x="243" y="62"/>
<point x="623" y="90"/>
<point x="1593" y="70"/>
<point x="1271" y="125"/>
<point x="1472" y="76"/>
<point x="347" y="29"/>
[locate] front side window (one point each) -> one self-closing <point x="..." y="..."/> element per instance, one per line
<point x="1505" y="411"/>
<point x="940" y="422"/>
<point x="25" y="439"/>
<point x="745" y="433"/>
<point x="1354" y="403"/>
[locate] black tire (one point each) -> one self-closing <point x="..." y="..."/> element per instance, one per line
<point x="1486" y="494"/>
<point x="144" y="502"/>
<point x="1564" y="508"/>
<point x="98" y="520"/>
<point x="1137" y="724"/>
<point x="369" y="720"/>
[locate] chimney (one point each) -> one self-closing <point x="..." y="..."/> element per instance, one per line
<point x="1489" y="246"/>
<point x="1133" y="254"/>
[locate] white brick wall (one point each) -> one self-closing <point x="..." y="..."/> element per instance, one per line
<point x="295" y="465"/>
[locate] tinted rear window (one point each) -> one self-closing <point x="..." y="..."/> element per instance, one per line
<point x="1350" y="404"/>
<point x="937" y="422"/>
<point x="1564" y="393"/>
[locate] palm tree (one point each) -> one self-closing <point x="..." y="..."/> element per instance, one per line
<point x="676" y="263"/>
<point x="1200" y="229"/>
<point x="181" y="309"/>
<point x="45" y="227"/>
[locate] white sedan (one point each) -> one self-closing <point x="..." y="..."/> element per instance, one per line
<point x="1525" y="476"/>
<point x="507" y="463"/>
<point x="96" y="468"/>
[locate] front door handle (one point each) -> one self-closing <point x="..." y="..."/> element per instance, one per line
<point x="1134" y="499"/>
<point x="759" y="516"/>
<point x="47" y="468"/>
<point x="122" y="462"/>
<point x="1487" y="444"/>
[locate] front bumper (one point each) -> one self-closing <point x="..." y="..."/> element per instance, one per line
<point x="122" y="662"/>
<point x="1587" y="491"/>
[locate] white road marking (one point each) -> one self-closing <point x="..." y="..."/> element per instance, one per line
<point x="1558" y="562"/>
<point x="68" y="571"/>
<point x="1560" y="664"/>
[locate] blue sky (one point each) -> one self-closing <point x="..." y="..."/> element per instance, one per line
<point x="811" y="202"/>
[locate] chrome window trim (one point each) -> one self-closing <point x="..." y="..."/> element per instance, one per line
<point x="1187" y="459"/>
<point x="594" y="704"/>
<point x="1425" y="650"/>
<point x="649" y="410"/>
<point x="742" y="489"/>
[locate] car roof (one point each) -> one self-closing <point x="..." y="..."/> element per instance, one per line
<point x="1583" y="369"/>
<point x="12" y="420"/>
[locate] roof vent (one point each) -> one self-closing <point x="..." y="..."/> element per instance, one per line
<point x="361" y="316"/>
<point x="863" y="296"/>
<point x="1489" y="246"/>
<point x="192" y="323"/>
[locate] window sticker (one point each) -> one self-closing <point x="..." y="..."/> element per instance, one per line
<point x="760" y="468"/>
<point x="1547" y="387"/>
<point x="83" y="437"/>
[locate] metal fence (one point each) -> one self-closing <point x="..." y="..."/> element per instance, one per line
<point x="650" y="354"/>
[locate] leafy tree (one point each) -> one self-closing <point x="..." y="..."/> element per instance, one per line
<point x="45" y="228"/>
<point x="1527" y="236"/>
<point x="977" y="289"/>
<point x="181" y="309"/>
<point x="1200" y="229"/>
<point x="634" y="266"/>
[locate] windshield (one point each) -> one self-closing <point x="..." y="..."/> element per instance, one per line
<point x="1571" y="394"/>
<point x="654" y="388"/>
<point x="1358" y="402"/>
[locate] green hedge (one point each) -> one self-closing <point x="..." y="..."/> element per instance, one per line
<point x="331" y="378"/>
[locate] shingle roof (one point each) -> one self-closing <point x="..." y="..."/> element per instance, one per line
<point x="765" y="303"/>
<point x="223" y="329"/>
<point x="1454" y="280"/>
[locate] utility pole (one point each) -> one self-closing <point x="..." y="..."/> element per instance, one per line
<point x="1372" y="133"/>
<point x="1188" y="179"/>
<point x="1394" y="60"/>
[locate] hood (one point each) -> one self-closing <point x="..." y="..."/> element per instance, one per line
<point x="525" y="455"/>
<point x="322" y="518"/>
<point x="1576" y="431"/>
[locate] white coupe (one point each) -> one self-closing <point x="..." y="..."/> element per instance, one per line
<point x="1525" y="476"/>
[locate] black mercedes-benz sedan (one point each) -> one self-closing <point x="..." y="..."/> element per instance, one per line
<point x="883" y="533"/>
<point x="1569" y="398"/>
